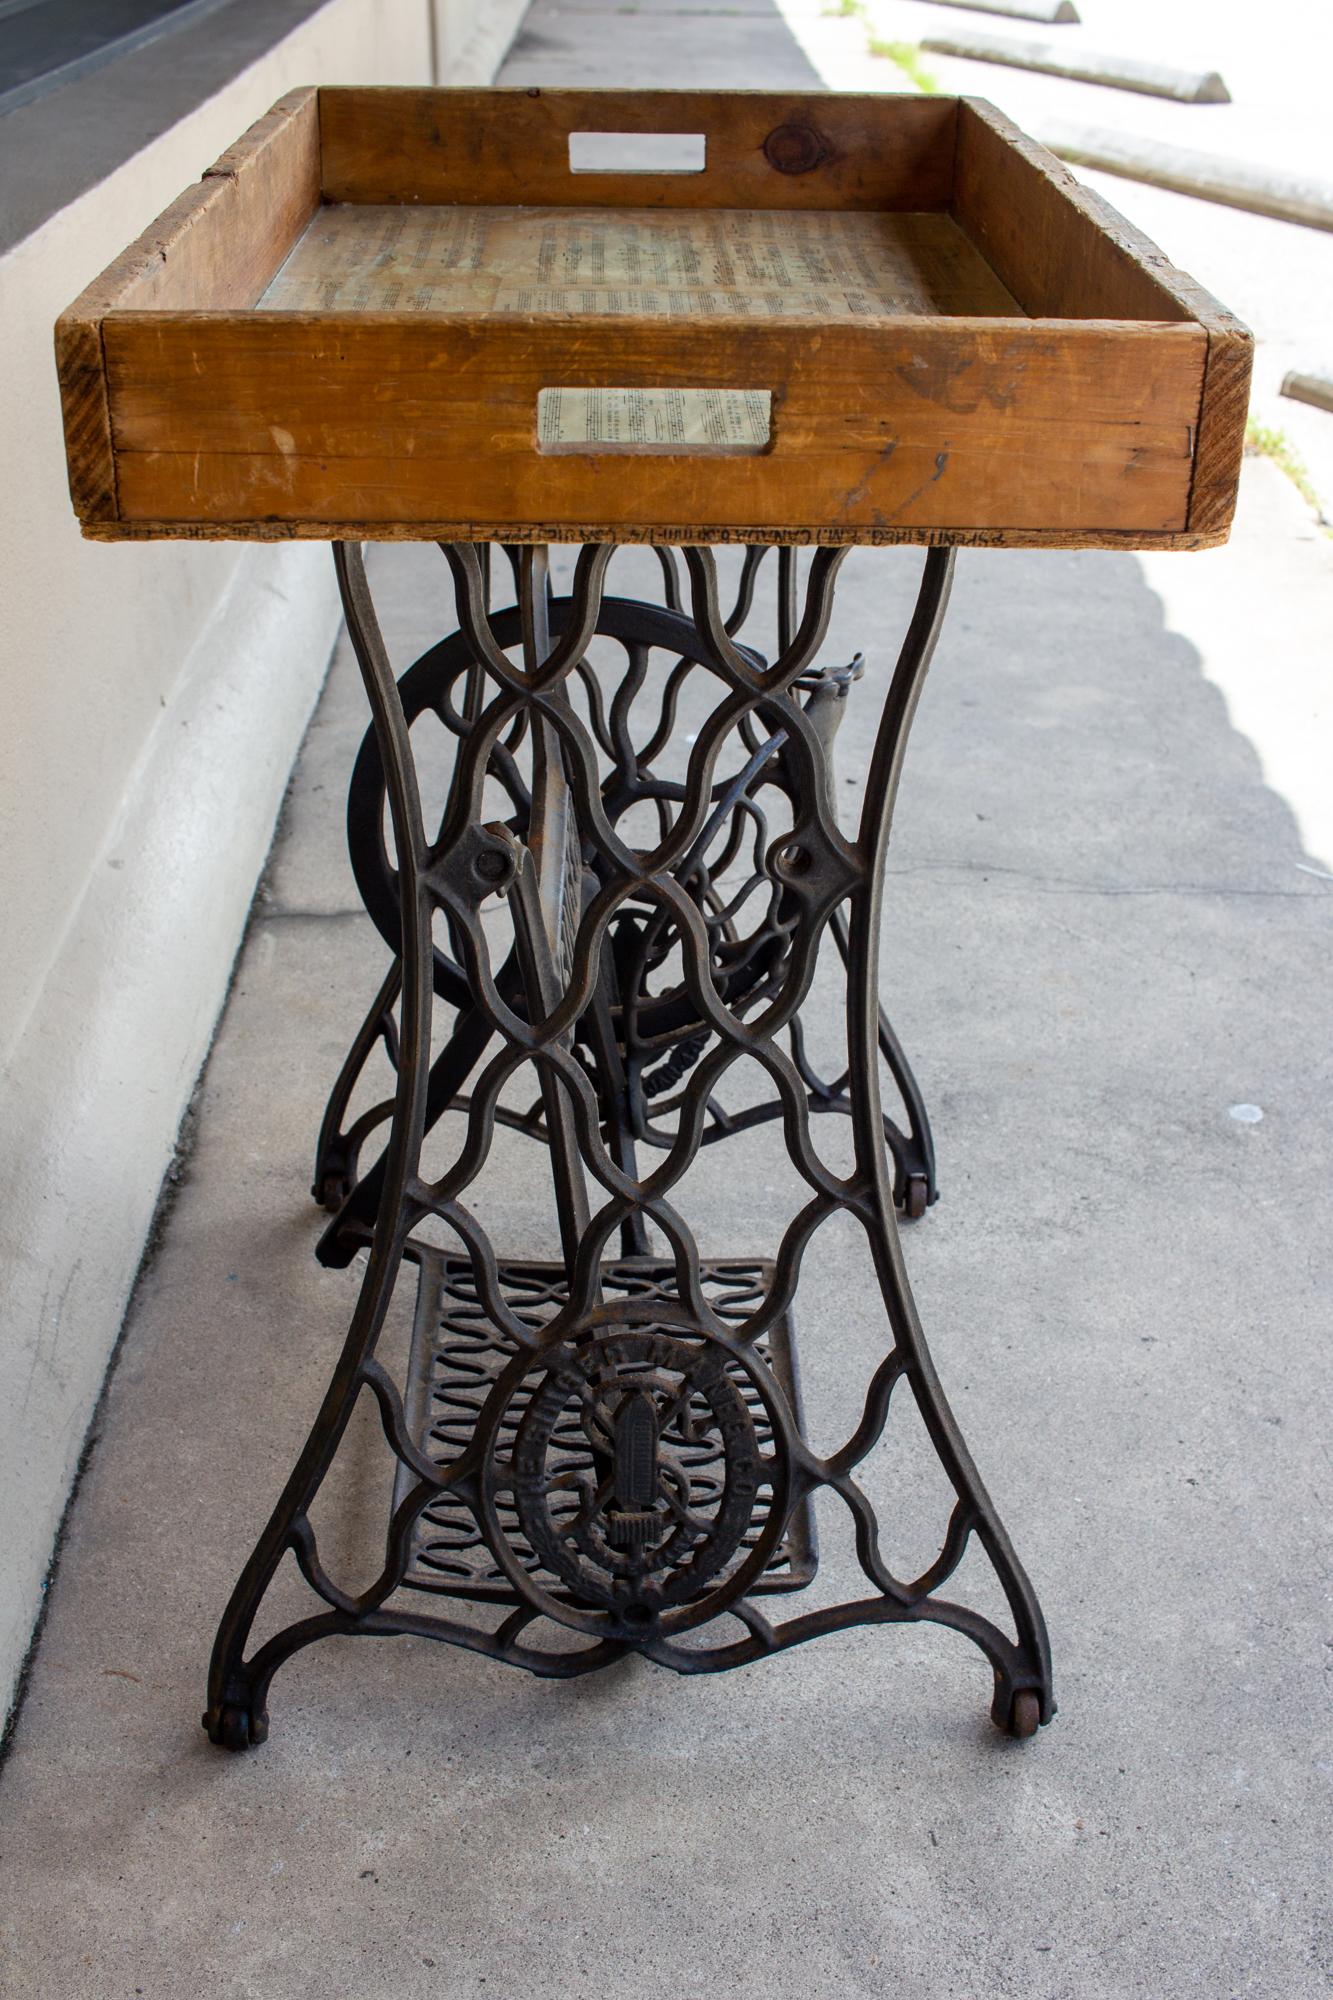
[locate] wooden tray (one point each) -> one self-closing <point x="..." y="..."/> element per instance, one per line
<point x="451" y="313"/>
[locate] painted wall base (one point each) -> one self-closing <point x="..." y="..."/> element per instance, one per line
<point x="96" y="1085"/>
<point x="154" y="700"/>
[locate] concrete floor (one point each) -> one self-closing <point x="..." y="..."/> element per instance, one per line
<point x="1104" y="933"/>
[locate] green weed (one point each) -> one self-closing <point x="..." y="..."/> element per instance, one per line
<point x="908" y="58"/>
<point x="1262" y="441"/>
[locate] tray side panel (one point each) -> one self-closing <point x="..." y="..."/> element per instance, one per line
<point x="220" y="242"/>
<point x="274" y="175"/>
<point x="1223" y="411"/>
<point x="90" y="459"/>
<point x="930" y="427"/>
<point x="1062" y="250"/>
<point x="217" y="245"/>
<point x="512" y="147"/>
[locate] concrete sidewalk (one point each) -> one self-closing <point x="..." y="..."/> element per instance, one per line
<point x="1105" y="933"/>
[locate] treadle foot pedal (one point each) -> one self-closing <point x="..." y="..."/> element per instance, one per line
<point x="649" y="1462"/>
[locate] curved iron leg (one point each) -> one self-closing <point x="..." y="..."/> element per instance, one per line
<point x="446" y="1077"/>
<point x="338" y="1148"/>
<point x="915" y="1186"/>
<point x="1025" y="1670"/>
<point x="235" y="1718"/>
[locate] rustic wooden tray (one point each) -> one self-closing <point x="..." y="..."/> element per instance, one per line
<point x="452" y="314"/>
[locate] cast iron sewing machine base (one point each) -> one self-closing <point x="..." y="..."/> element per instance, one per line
<point x="605" y="1451"/>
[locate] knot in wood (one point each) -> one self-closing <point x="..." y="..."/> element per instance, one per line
<point x="795" y="149"/>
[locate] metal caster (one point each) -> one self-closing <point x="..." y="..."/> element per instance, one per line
<point x="236" y="1728"/>
<point x="1025" y="1715"/>
<point x="332" y="1191"/>
<point x="916" y="1197"/>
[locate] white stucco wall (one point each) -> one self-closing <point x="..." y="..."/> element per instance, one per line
<point x="154" y="697"/>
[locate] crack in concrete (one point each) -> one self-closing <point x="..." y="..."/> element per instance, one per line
<point x="1057" y="885"/>
<point x="280" y="916"/>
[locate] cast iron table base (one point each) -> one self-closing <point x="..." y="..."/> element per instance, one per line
<point x="605" y="1452"/>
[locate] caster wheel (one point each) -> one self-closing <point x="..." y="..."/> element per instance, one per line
<point x="236" y="1729"/>
<point x="1025" y="1715"/>
<point x="332" y="1192"/>
<point x="916" y="1197"/>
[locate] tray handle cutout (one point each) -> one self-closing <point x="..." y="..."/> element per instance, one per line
<point x="637" y="152"/>
<point x="712" y="423"/>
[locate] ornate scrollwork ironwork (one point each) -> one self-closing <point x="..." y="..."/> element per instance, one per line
<point x="614" y="1442"/>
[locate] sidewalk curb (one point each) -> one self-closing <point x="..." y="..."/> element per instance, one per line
<point x="1056" y="12"/>
<point x="1085" y="66"/>
<point x="1231" y="183"/>
<point x="1317" y="390"/>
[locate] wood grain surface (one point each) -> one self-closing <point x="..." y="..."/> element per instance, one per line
<point x="1224" y="408"/>
<point x="957" y="423"/>
<point x="512" y="147"/>
<point x="701" y="533"/>
<point x="422" y="272"/>
<point x="1062" y="249"/>
<point x="217" y="245"/>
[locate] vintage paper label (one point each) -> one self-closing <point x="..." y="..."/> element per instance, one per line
<point x="662" y="420"/>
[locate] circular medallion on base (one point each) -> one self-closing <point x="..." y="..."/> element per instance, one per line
<point x="649" y="1475"/>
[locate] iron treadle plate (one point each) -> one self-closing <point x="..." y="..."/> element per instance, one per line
<point x="456" y="1356"/>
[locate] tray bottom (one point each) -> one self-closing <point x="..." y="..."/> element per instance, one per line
<point x="703" y="264"/>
